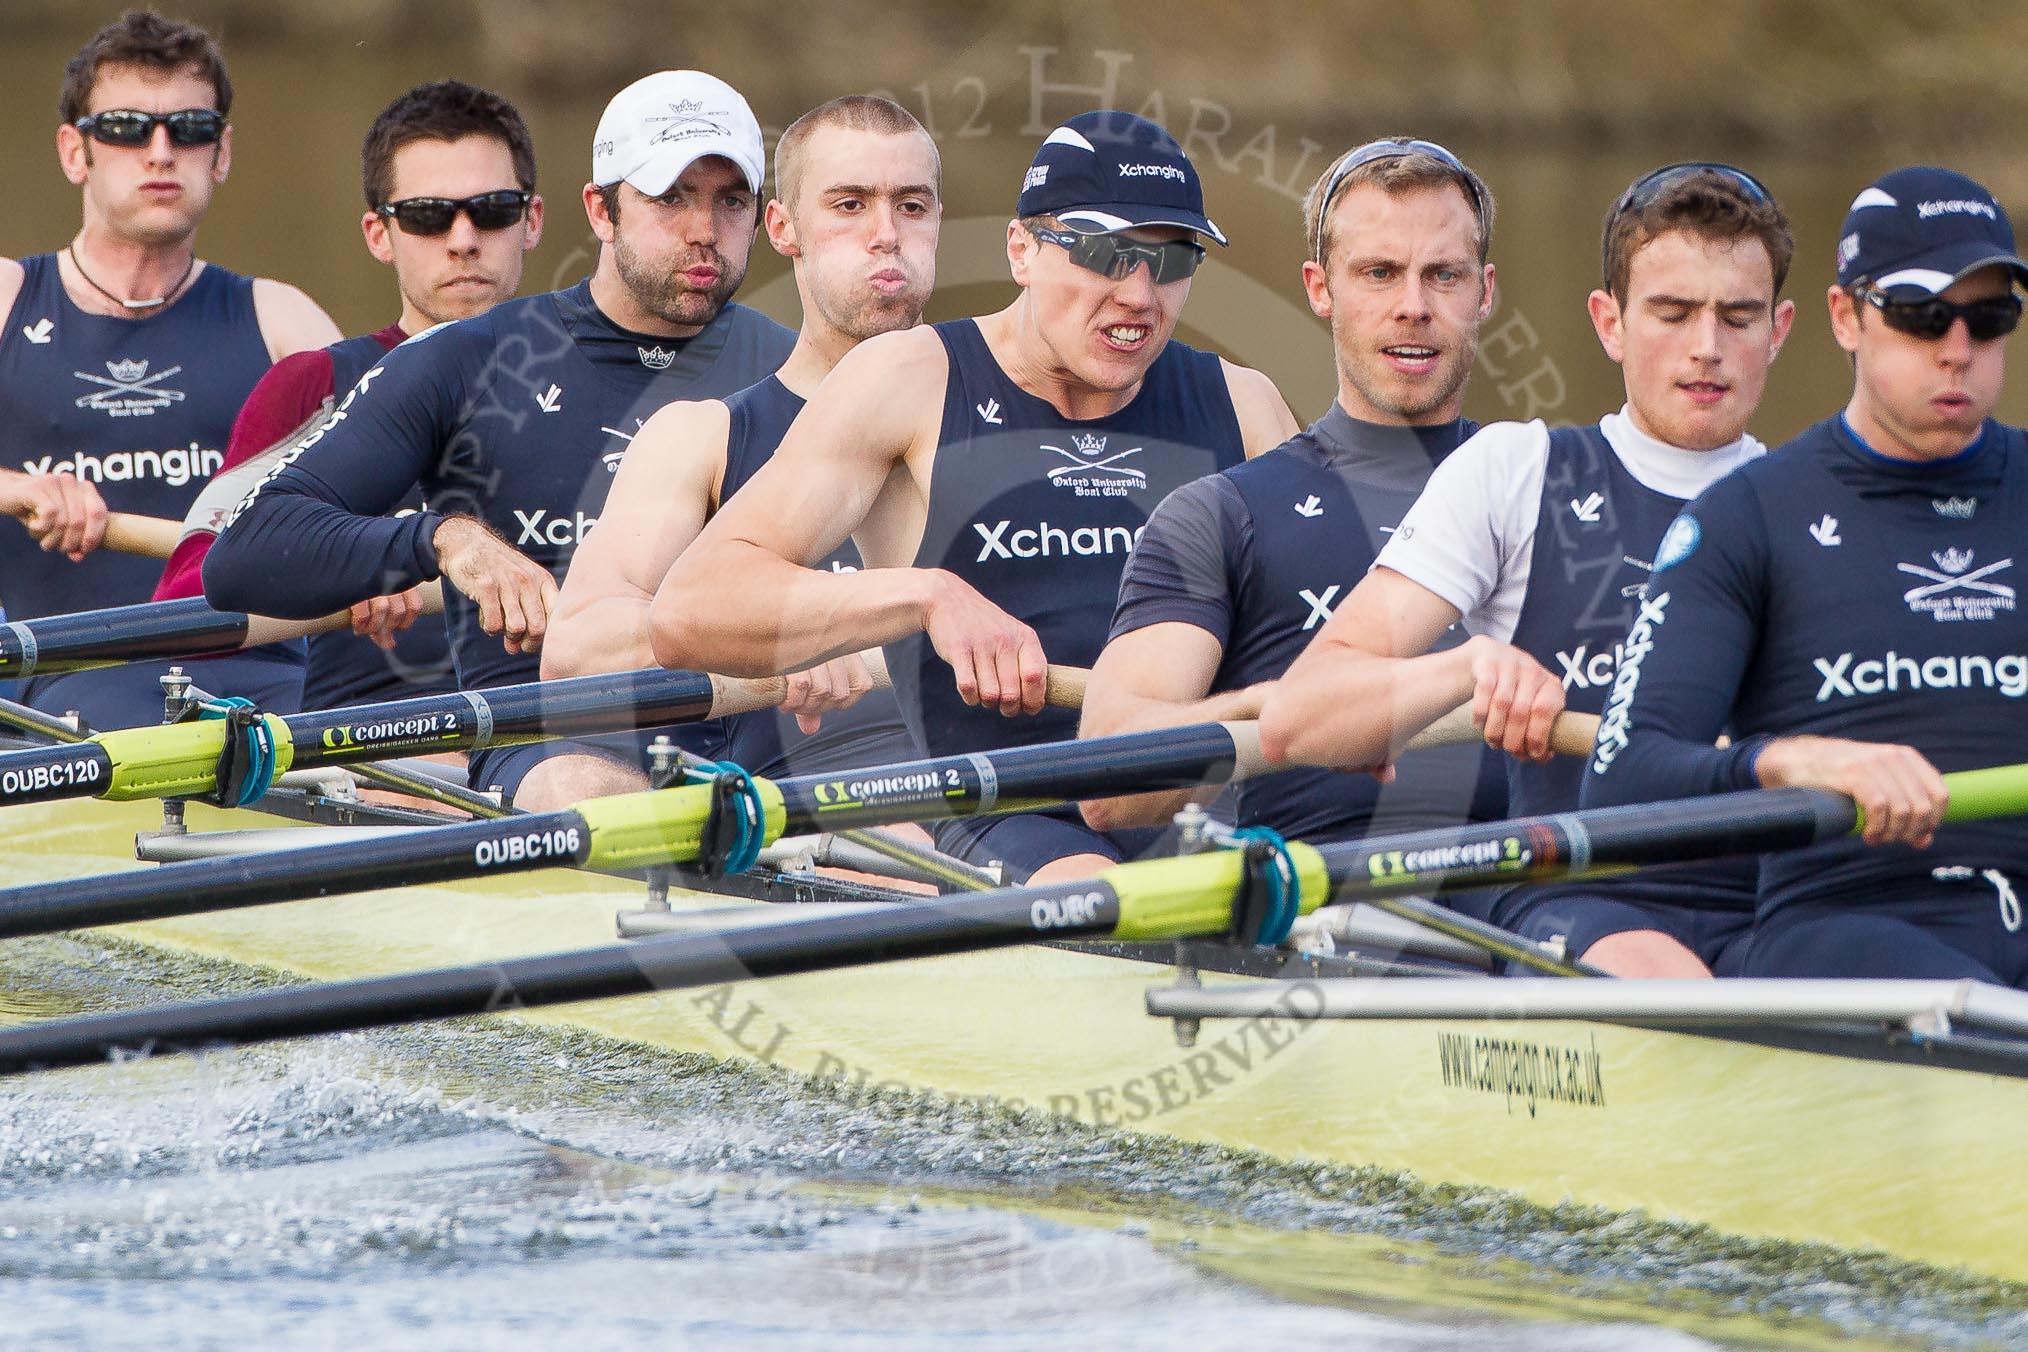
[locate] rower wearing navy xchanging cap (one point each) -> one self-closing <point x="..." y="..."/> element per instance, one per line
<point x="857" y="209"/>
<point x="993" y="473"/>
<point x="1238" y="570"/>
<point x="449" y="177"/>
<point x="1848" y="609"/>
<point x="125" y="357"/>
<point x="515" y="421"/>
<point x="1539" y="539"/>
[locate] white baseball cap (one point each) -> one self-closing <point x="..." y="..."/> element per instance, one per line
<point x="661" y="124"/>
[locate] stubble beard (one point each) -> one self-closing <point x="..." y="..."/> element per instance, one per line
<point x="663" y="293"/>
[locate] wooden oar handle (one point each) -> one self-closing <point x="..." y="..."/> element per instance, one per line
<point x="151" y="537"/>
<point x="1571" y="735"/>
<point x="265" y="629"/>
<point x="1063" y="688"/>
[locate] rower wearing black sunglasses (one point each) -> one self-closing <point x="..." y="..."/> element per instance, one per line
<point x="514" y="421"/>
<point x="442" y="137"/>
<point x="1848" y="608"/>
<point x="994" y="473"/>
<point x="124" y="358"/>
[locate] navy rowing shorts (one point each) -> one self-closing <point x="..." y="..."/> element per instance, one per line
<point x="1717" y="936"/>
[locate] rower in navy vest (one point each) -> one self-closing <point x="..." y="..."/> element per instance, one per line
<point x="1238" y="570"/>
<point x="449" y="175"/>
<point x="993" y="473"/>
<point x="125" y="357"/>
<point x="515" y="421"/>
<point x="857" y="211"/>
<point x="1540" y="540"/>
<point x="1846" y="607"/>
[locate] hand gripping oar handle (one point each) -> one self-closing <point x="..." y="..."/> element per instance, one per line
<point x="151" y="537"/>
<point x="82" y="640"/>
<point x="1063" y="687"/>
<point x="1571" y="735"/>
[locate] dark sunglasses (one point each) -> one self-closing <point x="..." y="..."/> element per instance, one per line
<point x="1392" y="149"/>
<point x="127" y="127"/>
<point x="435" y="215"/>
<point x="1987" y="319"/>
<point x="1116" y="257"/>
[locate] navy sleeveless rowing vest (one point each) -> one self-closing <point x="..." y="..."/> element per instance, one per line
<point x="769" y="742"/>
<point x="1585" y="580"/>
<point x="139" y="408"/>
<point x="345" y="668"/>
<point x="1319" y="505"/>
<point x="1039" y="512"/>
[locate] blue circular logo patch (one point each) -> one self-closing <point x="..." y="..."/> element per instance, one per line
<point x="1679" y="542"/>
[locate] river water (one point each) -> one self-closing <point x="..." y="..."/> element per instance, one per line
<point x="421" y="1189"/>
<point x="490" y="1182"/>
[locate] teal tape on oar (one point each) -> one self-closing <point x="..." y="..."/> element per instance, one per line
<point x="739" y="799"/>
<point x="246" y="765"/>
<point x="1269" y="861"/>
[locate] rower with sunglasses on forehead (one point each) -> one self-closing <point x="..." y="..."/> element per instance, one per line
<point x="1539" y="540"/>
<point x="124" y="357"/>
<point x="1237" y="570"/>
<point x="514" y="421"/>
<point x="1847" y="608"/>
<point x="449" y="176"/>
<point x="993" y="473"/>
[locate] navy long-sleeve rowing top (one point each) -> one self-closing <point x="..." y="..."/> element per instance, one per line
<point x="1830" y="590"/>
<point x="517" y="417"/>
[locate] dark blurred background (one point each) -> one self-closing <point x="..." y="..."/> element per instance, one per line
<point x="1558" y="103"/>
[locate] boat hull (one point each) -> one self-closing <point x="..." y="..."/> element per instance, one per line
<point x="1870" y="1147"/>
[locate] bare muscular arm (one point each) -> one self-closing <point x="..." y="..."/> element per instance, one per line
<point x="743" y="600"/>
<point x="665" y="491"/>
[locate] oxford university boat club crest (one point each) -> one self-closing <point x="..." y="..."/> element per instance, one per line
<point x="1954" y="590"/>
<point x="1091" y="472"/>
<point x="126" y="390"/>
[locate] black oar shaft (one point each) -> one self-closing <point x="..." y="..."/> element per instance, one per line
<point x="1594" y="842"/>
<point x="675" y="962"/>
<point x="500" y="716"/>
<point x="1015" y="779"/>
<point x="51" y="644"/>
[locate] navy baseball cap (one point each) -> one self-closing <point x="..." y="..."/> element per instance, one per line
<point x="1109" y="171"/>
<point x="1915" y="231"/>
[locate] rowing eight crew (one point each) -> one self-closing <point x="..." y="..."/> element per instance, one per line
<point x="1105" y="241"/>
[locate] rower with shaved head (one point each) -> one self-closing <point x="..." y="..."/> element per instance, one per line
<point x="1539" y="540"/>
<point x="857" y="211"/>
<point x="514" y="421"/>
<point x="993" y="474"/>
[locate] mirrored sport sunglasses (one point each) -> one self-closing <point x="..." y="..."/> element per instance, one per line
<point x="435" y="215"/>
<point x="1116" y="257"/>
<point x="1392" y="149"/>
<point x="128" y="127"/>
<point x="1931" y="318"/>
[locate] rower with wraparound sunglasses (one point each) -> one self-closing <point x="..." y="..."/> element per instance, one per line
<point x="125" y="358"/>
<point x="994" y="473"/>
<point x="1848" y="608"/>
<point x="449" y="176"/>
<point x="1539" y="540"/>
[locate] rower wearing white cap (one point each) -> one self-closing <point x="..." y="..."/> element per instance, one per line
<point x="514" y="421"/>
<point x="994" y="473"/>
